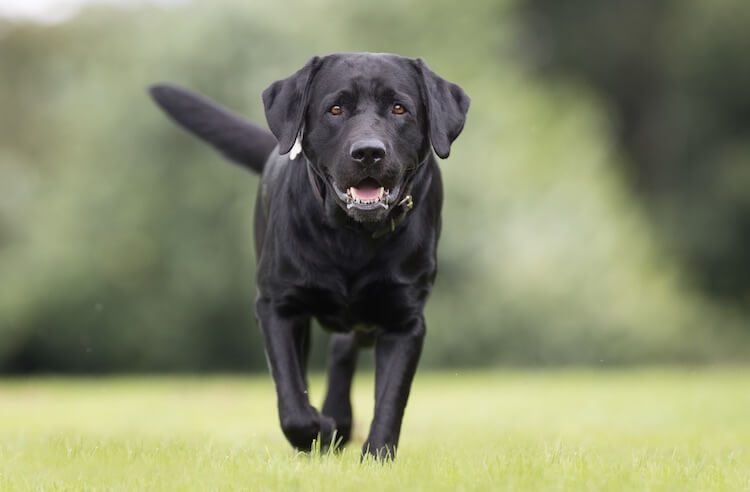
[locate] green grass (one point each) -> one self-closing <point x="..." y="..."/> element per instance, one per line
<point x="570" y="430"/>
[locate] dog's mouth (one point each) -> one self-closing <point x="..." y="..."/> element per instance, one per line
<point x="368" y="194"/>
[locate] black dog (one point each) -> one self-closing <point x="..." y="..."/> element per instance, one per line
<point x="346" y="224"/>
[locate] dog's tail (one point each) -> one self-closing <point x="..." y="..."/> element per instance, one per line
<point x="233" y="136"/>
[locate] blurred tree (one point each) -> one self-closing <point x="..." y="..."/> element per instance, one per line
<point x="126" y="245"/>
<point x="675" y="75"/>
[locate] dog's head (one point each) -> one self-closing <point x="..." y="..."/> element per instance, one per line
<point x="365" y="122"/>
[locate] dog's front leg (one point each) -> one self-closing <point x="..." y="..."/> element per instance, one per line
<point x="396" y="357"/>
<point x="283" y="337"/>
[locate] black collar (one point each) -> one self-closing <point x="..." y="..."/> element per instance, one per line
<point x="405" y="205"/>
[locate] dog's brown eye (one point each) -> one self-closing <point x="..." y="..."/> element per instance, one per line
<point x="398" y="109"/>
<point x="335" y="110"/>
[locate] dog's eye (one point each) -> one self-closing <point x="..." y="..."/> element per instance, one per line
<point x="398" y="109"/>
<point x="335" y="110"/>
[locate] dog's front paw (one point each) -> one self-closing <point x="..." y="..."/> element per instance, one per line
<point x="378" y="451"/>
<point x="302" y="430"/>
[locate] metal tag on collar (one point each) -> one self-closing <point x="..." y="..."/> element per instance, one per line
<point x="407" y="202"/>
<point x="296" y="149"/>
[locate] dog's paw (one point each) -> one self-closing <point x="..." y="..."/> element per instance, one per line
<point x="304" y="430"/>
<point x="380" y="452"/>
<point x="343" y="432"/>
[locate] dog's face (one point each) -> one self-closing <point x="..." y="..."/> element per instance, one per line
<point x="365" y="130"/>
<point x="365" y="122"/>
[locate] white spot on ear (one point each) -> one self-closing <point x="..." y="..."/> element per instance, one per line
<point x="296" y="148"/>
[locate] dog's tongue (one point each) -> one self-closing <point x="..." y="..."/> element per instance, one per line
<point x="366" y="191"/>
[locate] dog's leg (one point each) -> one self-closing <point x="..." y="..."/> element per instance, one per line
<point x="342" y="361"/>
<point x="304" y="341"/>
<point x="283" y="337"/>
<point x="396" y="358"/>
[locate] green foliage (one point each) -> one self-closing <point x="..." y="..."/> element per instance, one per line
<point x="127" y="245"/>
<point x="568" y="431"/>
<point x="675" y="74"/>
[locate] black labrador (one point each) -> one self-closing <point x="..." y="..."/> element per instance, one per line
<point x="346" y="224"/>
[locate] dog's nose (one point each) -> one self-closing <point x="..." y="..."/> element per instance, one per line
<point x="367" y="151"/>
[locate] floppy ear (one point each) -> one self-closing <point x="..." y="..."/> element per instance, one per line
<point x="286" y="102"/>
<point x="232" y="135"/>
<point x="447" y="105"/>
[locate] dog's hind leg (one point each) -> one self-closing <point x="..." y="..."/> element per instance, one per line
<point x="342" y="361"/>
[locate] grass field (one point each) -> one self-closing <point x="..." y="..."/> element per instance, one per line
<point x="663" y="429"/>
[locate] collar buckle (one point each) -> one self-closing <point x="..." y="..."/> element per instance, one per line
<point x="407" y="202"/>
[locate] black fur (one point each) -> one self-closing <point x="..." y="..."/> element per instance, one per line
<point x="363" y="271"/>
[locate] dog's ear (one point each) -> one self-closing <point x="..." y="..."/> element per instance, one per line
<point x="286" y="101"/>
<point x="233" y="136"/>
<point x="446" y="104"/>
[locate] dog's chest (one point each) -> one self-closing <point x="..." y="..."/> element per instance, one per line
<point x="383" y="294"/>
<point x="344" y="280"/>
<point x="378" y="304"/>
